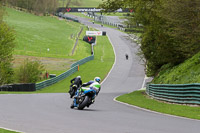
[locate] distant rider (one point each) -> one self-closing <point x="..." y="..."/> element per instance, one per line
<point x="93" y="84"/>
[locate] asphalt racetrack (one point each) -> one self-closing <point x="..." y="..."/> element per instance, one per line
<point x="51" y="113"/>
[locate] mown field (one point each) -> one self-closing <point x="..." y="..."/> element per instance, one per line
<point x="81" y="3"/>
<point x="36" y="34"/>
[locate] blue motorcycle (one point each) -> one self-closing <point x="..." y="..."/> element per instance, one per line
<point x="84" y="98"/>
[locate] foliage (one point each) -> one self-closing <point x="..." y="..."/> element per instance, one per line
<point x="30" y="71"/>
<point x="38" y="6"/>
<point x="171" y="29"/>
<point x="140" y="99"/>
<point x="6" y="49"/>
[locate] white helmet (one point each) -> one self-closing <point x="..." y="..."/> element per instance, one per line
<point x="97" y="79"/>
<point x="79" y="77"/>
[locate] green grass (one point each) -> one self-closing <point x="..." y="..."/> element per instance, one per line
<point x="36" y="34"/>
<point x="7" y="131"/>
<point x="138" y="98"/>
<point x="185" y="73"/>
<point x="81" y="3"/>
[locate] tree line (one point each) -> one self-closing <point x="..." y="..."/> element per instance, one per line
<point x="171" y="29"/>
<point x="37" y="6"/>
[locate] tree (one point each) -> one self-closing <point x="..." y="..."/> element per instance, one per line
<point x="6" y="48"/>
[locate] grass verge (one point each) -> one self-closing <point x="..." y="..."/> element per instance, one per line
<point x="7" y="131"/>
<point x="140" y="99"/>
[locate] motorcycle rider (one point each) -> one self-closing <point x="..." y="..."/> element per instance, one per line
<point x="75" y="83"/>
<point x="93" y="84"/>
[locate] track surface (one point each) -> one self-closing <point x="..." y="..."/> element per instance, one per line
<point x="50" y="113"/>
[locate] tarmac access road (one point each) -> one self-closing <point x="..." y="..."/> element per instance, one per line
<point x="51" y="113"/>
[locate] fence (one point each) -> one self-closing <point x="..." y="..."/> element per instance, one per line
<point x="180" y="93"/>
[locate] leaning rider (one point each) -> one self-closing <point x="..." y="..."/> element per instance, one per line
<point x="93" y="84"/>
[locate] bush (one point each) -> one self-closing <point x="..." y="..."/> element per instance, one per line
<point x="30" y="71"/>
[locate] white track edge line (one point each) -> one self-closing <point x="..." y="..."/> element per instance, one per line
<point x="154" y="111"/>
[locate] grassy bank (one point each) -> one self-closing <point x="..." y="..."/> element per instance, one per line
<point x="140" y="99"/>
<point x="185" y="73"/>
<point x="47" y="39"/>
<point x="43" y="36"/>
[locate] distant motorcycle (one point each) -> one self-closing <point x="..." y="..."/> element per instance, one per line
<point x="85" y="98"/>
<point x="72" y="90"/>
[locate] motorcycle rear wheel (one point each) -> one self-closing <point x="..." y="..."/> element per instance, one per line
<point x="84" y="103"/>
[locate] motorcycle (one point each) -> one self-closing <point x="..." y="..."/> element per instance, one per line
<point x="72" y="90"/>
<point x="86" y="97"/>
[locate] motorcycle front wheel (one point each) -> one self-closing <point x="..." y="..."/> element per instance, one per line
<point x="84" y="103"/>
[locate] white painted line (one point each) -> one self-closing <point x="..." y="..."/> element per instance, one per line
<point x="11" y="130"/>
<point x="154" y="111"/>
<point x="114" y="62"/>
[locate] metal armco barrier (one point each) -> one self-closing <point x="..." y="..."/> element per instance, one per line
<point x="175" y="93"/>
<point x="74" y="68"/>
<point x="83" y="61"/>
